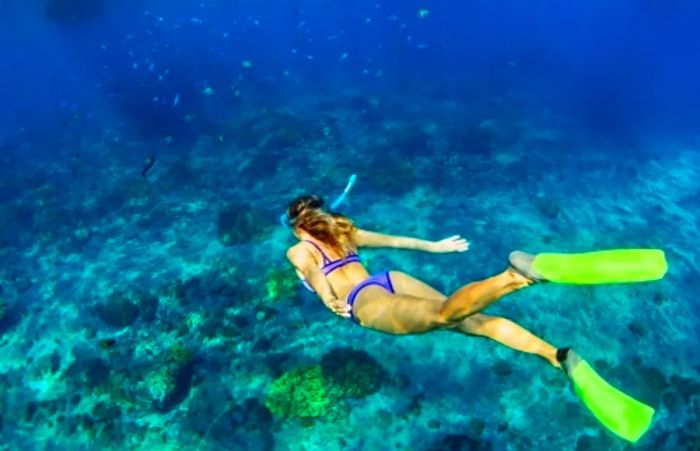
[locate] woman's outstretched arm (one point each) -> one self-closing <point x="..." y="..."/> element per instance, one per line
<point x="365" y="238"/>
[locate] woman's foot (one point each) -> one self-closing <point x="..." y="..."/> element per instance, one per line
<point x="518" y="280"/>
<point x="554" y="362"/>
<point x="551" y="356"/>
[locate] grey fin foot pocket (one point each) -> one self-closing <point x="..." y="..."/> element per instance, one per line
<point x="522" y="262"/>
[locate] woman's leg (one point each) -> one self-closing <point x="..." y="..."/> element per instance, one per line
<point x="400" y="314"/>
<point x="496" y="328"/>
<point x="508" y="333"/>
<point x="403" y="313"/>
<point x="476" y="296"/>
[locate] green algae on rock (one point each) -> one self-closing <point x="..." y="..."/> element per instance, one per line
<point x="321" y="390"/>
<point x="299" y="393"/>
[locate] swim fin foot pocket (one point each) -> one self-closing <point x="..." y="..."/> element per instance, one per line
<point x="562" y="353"/>
<point x="523" y="263"/>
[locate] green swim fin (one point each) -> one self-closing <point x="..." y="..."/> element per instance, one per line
<point x="620" y="413"/>
<point x="611" y="266"/>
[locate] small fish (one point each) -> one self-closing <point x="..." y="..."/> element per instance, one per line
<point x="246" y="64"/>
<point x="147" y="165"/>
<point x="176" y="100"/>
<point x="196" y="20"/>
<point x="343" y="56"/>
<point x="208" y="91"/>
<point x="107" y="343"/>
<point x="423" y="13"/>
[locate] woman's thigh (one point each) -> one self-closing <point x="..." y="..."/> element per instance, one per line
<point x="406" y="284"/>
<point x="378" y="309"/>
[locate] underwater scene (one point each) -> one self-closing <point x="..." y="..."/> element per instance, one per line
<point x="494" y="206"/>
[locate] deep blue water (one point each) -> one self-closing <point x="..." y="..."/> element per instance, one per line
<point x="160" y="312"/>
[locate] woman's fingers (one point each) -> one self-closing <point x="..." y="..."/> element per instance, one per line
<point x="455" y="243"/>
<point x="342" y="308"/>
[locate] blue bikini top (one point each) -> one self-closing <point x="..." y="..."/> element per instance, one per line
<point x="331" y="265"/>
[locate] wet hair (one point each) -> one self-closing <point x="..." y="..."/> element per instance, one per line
<point x="335" y="230"/>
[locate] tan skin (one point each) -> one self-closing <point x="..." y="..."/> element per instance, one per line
<point x="416" y="307"/>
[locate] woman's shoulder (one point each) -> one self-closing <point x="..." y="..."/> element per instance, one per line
<point x="298" y="248"/>
<point x="295" y="248"/>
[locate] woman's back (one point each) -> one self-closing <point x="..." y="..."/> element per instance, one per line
<point x="343" y="272"/>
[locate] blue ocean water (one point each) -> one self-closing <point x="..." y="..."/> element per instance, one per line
<point x="149" y="147"/>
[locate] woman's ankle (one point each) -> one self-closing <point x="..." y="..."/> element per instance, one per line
<point x="518" y="280"/>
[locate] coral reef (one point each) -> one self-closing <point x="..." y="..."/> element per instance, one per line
<point x="122" y="309"/>
<point x="240" y="223"/>
<point x="119" y="310"/>
<point x="317" y="390"/>
<point x="167" y="383"/>
<point x="281" y="284"/>
<point x="354" y="373"/>
<point x="299" y="393"/>
<point x="460" y="442"/>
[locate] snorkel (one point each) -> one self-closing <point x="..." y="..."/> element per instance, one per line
<point x="336" y="203"/>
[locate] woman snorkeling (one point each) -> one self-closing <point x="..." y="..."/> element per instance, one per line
<point x="394" y="302"/>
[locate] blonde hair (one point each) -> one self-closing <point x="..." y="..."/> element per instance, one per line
<point x="333" y="229"/>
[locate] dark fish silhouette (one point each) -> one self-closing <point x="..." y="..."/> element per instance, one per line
<point x="147" y="165"/>
<point x="107" y="343"/>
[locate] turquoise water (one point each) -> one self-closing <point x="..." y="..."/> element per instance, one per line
<point x="160" y="312"/>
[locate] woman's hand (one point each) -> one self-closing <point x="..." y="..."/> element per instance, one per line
<point x="339" y="306"/>
<point x="454" y="243"/>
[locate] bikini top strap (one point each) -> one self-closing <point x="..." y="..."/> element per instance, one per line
<point x="326" y="260"/>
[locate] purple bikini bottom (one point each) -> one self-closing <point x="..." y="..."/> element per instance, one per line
<point x="382" y="279"/>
